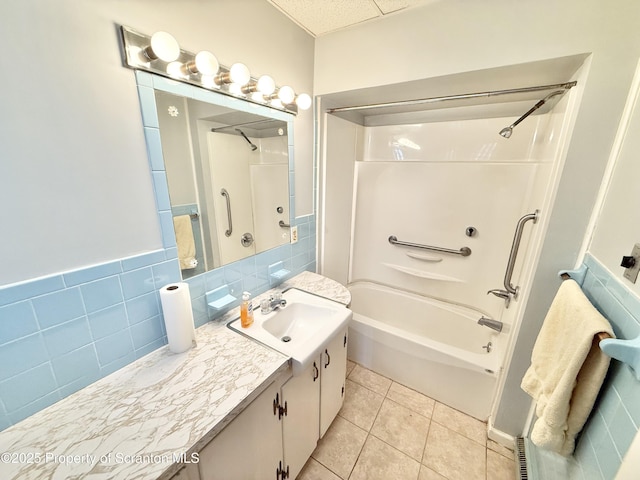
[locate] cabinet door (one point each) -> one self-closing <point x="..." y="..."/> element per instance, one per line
<point x="189" y="472"/>
<point x="250" y="447"/>
<point x="301" y="395"/>
<point x="333" y="371"/>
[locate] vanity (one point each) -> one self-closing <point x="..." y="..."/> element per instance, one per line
<point x="228" y="408"/>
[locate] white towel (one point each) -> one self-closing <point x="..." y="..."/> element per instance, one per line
<point x="184" y="240"/>
<point x="567" y="369"/>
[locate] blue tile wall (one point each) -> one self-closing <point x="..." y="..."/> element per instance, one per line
<point x="61" y="333"/>
<point x="616" y="416"/>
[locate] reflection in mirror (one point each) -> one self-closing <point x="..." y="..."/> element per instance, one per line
<point x="228" y="177"/>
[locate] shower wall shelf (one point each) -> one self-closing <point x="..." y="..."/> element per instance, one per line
<point x="424" y="258"/>
<point x="419" y="273"/>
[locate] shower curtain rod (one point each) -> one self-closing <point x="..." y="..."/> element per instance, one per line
<point x="463" y="96"/>
<point x="242" y="124"/>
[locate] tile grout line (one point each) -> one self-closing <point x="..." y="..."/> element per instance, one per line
<point x="369" y="434"/>
<point x="335" y="473"/>
<point x="431" y="419"/>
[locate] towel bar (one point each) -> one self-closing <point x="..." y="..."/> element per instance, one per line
<point x="626" y="351"/>
<point x="602" y="336"/>
<point x="566" y="275"/>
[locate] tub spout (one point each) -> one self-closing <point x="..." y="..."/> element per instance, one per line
<point x="491" y="323"/>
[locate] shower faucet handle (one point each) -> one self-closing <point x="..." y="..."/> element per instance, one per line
<point x="499" y="293"/>
<point x="503" y="294"/>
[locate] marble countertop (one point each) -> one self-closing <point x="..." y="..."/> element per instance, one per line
<point x="146" y="419"/>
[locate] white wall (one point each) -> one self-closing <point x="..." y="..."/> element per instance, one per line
<point x="75" y="183"/>
<point x="343" y="145"/>
<point x="617" y="225"/>
<point x="456" y="36"/>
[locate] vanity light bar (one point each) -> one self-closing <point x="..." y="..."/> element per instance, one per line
<point x="161" y="54"/>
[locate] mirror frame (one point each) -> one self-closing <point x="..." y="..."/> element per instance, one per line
<point x="147" y="85"/>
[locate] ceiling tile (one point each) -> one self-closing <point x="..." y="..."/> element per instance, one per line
<point x="388" y="6"/>
<point x="319" y="17"/>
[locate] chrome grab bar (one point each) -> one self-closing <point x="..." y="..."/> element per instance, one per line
<point x="464" y="251"/>
<point x="515" y="246"/>
<point x="225" y="194"/>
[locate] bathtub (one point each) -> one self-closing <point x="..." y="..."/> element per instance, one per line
<point x="429" y="345"/>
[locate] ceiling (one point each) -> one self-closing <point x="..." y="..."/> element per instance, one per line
<point x="323" y="16"/>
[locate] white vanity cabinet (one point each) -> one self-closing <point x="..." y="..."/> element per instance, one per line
<point x="301" y="395"/>
<point x="250" y="447"/>
<point x="276" y="434"/>
<point x="188" y="472"/>
<point x="333" y="369"/>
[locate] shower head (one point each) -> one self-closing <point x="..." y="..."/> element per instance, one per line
<point x="253" y="147"/>
<point x="507" y="131"/>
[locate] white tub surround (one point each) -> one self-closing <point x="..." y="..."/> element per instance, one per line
<point x="429" y="345"/>
<point x="147" y="419"/>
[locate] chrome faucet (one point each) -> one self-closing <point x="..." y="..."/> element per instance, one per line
<point x="491" y="323"/>
<point x="275" y="301"/>
<point x="503" y="294"/>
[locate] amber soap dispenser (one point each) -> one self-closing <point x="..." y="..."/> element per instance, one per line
<point x="246" y="311"/>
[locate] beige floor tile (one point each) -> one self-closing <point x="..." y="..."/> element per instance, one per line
<point x="350" y="366"/>
<point x="427" y="474"/>
<point x="460" y="422"/>
<point x="500" y="467"/>
<point x="379" y="461"/>
<point x="504" y="451"/>
<point x="401" y="428"/>
<point x="360" y="405"/>
<point x="369" y="379"/>
<point x="313" y="470"/>
<point x="338" y="450"/>
<point x="411" y="399"/>
<point x="453" y="455"/>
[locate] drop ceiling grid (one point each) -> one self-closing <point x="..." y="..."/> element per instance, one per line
<point x="323" y="16"/>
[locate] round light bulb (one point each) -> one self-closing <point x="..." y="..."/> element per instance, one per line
<point x="286" y="94"/>
<point x="303" y="101"/>
<point x="266" y="85"/>
<point x="207" y="63"/>
<point x="257" y="97"/>
<point x="235" y="89"/>
<point x="165" y="47"/>
<point x="209" y="82"/>
<point x="174" y="69"/>
<point x="239" y="73"/>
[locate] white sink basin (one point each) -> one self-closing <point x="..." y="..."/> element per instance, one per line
<point x="300" y="329"/>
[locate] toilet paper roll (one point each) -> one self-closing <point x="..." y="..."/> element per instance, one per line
<point x="178" y="316"/>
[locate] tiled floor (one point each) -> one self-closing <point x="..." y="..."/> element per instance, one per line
<point x="387" y="431"/>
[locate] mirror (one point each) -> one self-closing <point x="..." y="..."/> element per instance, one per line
<point x="228" y="177"/>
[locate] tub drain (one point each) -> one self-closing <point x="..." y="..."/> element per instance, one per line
<point x="286" y="338"/>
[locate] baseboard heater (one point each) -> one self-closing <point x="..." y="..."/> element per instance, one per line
<point x="522" y="472"/>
